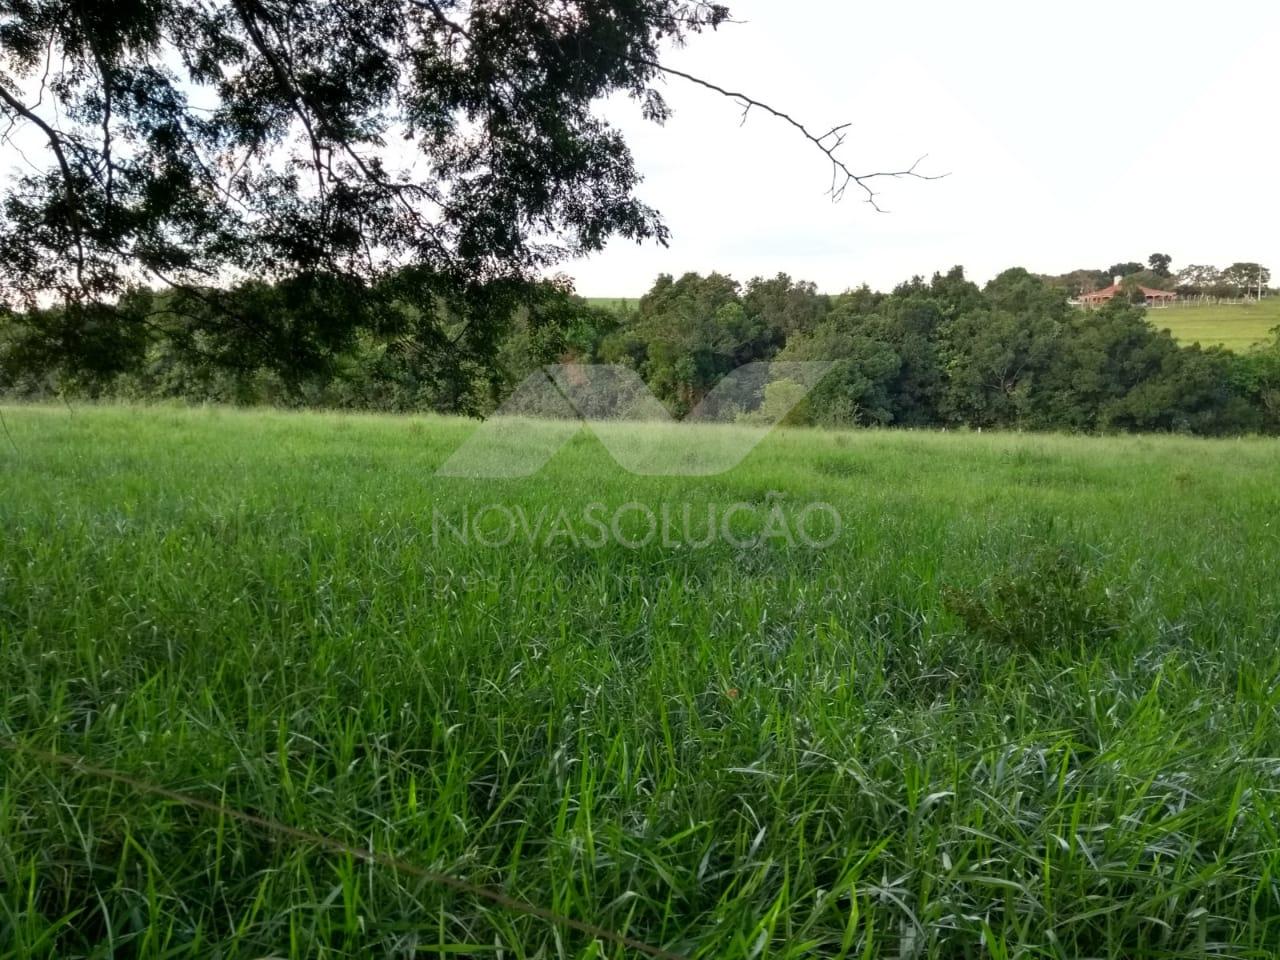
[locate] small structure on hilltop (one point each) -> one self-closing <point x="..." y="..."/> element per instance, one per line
<point x="1153" y="298"/>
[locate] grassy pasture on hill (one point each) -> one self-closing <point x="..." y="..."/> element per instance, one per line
<point x="1237" y="326"/>
<point x="614" y="303"/>
<point x="1025" y="704"/>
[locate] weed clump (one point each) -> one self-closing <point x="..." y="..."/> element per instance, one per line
<point x="1048" y="598"/>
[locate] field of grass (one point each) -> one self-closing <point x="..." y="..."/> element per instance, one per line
<point x="1236" y="326"/>
<point x="614" y="303"/>
<point x="1024" y="704"/>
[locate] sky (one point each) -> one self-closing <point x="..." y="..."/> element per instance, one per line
<point x="1072" y="135"/>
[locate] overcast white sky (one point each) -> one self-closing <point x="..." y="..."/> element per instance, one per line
<point x="1075" y="135"/>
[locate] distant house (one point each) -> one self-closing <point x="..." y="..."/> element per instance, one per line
<point x="1154" y="298"/>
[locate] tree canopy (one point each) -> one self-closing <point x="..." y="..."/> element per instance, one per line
<point x="937" y="353"/>
<point x="368" y="162"/>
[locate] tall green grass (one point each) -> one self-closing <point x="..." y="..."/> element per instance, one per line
<point x="1024" y="706"/>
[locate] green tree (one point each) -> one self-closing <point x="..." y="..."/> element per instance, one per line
<point x="686" y="335"/>
<point x="1102" y="355"/>
<point x="1124" y="269"/>
<point x="1078" y="282"/>
<point x="1196" y="280"/>
<point x="1190" y="391"/>
<point x="1246" y="278"/>
<point x="909" y="322"/>
<point x="1255" y="376"/>
<point x="859" y="388"/>
<point x="993" y="355"/>
<point x="1159" y="263"/>
<point x="781" y="404"/>
<point x="1018" y="291"/>
<point x="783" y="307"/>
<point x="317" y="147"/>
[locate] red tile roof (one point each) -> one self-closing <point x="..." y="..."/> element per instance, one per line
<point x="1111" y="291"/>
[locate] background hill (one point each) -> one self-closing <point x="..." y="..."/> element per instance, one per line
<point x="1236" y="326"/>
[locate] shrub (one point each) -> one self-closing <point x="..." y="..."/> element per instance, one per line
<point x="1049" y="598"/>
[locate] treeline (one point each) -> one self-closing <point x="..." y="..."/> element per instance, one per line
<point x="1239" y="280"/>
<point x="403" y="343"/>
<point x="943" y="352"/>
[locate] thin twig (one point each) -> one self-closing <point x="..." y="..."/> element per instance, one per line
<point x="345" y="849"/>
<point x="828" y="142"/>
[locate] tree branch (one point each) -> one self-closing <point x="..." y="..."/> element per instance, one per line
<point x="828" y="143"/>
<point x="450" y="25"/>
<point x="55" y="144"/>
<point x="304" y="108"/>
<point x="297" y="101"/>
<point x="104" y="71"/>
